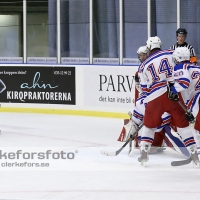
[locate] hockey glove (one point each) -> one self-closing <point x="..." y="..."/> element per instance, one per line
<point x="171" y="92"/>
<point x="189" y="116"/>
<point x="130" y="128"/>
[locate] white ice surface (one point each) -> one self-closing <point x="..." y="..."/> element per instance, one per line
<point x="91" y="175"/>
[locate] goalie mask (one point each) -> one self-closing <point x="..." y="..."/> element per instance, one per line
<point x="181" y="54"/>
<point x="154" y="43"/>
<point x="137" y="83"/>
<point x="142" y="53"/>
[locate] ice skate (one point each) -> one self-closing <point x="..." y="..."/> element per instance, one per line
<point x="194" y="155"/>
<point x="195" y="158"/>
<point x="198" y="151"/>
<point x="144" y="156"/>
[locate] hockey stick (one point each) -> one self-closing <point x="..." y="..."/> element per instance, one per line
<point x="130" y="146"/>
<point x="106" y="153"/>
<point x="181" y="162"/>
<point x="185" y="109"/>
<point x="130" y="143"/>
<point x="186" y="161"/>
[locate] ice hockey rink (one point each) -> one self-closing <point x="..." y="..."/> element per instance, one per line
<point x="90" y="175"/>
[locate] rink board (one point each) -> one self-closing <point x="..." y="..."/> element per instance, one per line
<point x="86" y="90"/>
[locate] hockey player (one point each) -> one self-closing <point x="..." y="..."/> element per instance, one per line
<point x="138" y="116"/>
<point x="187" y="82"/>
<point x="163" y="133"/>
<point x="154" y="74"/>
<point x="142" y="53"/>
<point x="181" y="35"/>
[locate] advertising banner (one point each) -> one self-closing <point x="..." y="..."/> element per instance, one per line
<point x="43" y="60"/>
<point x="10" y="60"/>
<point x="49" y="85"/>
<point x="109" y="86"/>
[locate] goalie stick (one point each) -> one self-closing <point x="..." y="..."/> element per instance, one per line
<point x="130" y="143"/>
<point x="130" y="146"/>
<point x="106" y="153"/>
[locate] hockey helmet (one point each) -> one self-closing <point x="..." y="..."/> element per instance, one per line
<point x="142" y="49"/>
<point x="153" y="43"/>
<point x="142" y="53"/>
<point x="181" y="54"/>
<point x="181" y="31"/>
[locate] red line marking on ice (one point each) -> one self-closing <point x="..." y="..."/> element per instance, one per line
<point x="91" y="143"/>
<point x="115" y="191"/>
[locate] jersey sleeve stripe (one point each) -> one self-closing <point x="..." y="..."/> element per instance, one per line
<point x="192" y="102"/>
<point x="137" y="115"/>
<point x="184" y="83"/>
<point x="156" y="86"/>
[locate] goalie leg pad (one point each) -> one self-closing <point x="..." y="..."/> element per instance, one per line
<point x="122" y="136"/>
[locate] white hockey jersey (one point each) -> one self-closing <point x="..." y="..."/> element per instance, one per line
<point x="187" y="81"/>
<point x="154" y="73"/>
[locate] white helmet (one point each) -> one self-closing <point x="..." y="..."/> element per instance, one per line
<point x="153" y="42"/>
<point x="181" y="54"/>
<point x="142" y="49"/>
<point x="142" y="52"/>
